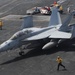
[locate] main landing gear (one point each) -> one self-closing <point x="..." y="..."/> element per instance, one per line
<point x="21" y="53"/>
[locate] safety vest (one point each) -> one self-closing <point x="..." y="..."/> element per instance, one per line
<point x="56" y="5"/>
<point x="1" y="23"/>
<point x="59" y="60"/>
<point x="61" y="8"/>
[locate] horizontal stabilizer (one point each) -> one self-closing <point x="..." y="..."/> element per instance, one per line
<point x="28" y="22"/>
<point x="60" y="35"/>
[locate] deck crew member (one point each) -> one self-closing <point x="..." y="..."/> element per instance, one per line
<point x="59" y="60"/>
<point x="1" y="24"/>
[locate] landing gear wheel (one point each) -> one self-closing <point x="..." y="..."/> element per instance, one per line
<point x="21" y="53"/>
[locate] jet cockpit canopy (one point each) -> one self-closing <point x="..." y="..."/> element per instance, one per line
<point x="17" y="35"/>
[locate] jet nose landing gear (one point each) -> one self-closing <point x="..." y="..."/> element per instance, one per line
<point x="21" y="53"/>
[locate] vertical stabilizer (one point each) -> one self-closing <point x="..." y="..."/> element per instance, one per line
<point x="65" y="24"/>
<point x="55" y="17"/>
<point x="73" y="31"/>
<point x="28" y="22"/>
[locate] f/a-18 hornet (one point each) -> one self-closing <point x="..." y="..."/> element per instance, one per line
<point x="47" y="37"/>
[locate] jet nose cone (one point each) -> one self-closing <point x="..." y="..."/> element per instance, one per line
<point x="2" y="47"/>
<point x="7" y="45"/>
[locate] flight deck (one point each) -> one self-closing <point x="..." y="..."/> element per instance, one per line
<point x="37" y="61"/>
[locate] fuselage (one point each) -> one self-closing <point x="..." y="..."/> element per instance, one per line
<point x="16" y="40"/>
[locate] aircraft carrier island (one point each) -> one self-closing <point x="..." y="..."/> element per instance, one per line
<point x="35" y="61"/>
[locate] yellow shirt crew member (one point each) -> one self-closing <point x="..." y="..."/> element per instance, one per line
<point x="1" y="24"/>
<point x="61" y="8"/>
<point x="59" y="60"/>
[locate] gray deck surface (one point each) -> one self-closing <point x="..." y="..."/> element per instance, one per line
<point x="34" y="62"/>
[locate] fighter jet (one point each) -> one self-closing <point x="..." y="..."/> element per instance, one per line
<point x="47" y="37"/>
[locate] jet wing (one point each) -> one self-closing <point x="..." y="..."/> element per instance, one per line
<point x="59" y="34"/>
<point x="50" y="34"/>
<point x="42" y="35"/>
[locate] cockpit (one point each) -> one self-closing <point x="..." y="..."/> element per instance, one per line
<point x="19" y="34"/>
